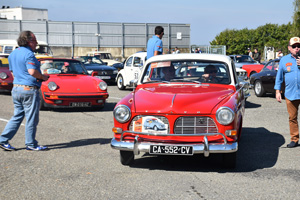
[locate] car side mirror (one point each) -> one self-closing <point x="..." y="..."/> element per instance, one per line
<point x="133" y="83"/>
<point x="94" y="73"/>
<point x="105" y="63"/>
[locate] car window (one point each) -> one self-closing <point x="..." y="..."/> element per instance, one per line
<point x="62" y="67"/>
<point x="205" y="72"/>
<point x="268" y="66"/>
<point x="137" y="61"/>
<point x="243" y="58"/>
<point x="129" y="62"/>
<point x="8" y="49"/>
<point x="276" y="65"/>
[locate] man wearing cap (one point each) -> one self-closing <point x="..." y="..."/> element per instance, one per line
<point x="289" y="72"/>
<point x="250" y="53"/>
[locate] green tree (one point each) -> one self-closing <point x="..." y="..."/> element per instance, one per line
<point x="296" y="19"/>
<point x="237" y="41"/>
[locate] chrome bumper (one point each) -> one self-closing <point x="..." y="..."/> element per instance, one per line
<point x="202" y="148"/>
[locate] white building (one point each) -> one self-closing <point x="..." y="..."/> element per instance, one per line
<point x="21" y="13"/>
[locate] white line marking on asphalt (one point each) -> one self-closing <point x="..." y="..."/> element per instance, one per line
<point x="5" y="120"/>
<point x="114" y="98"/>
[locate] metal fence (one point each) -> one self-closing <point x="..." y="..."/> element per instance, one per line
<point x="97" y="34"/>
<point x="212" y="49"/>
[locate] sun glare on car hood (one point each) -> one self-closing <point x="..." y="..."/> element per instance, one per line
<point x="179" y="99"/>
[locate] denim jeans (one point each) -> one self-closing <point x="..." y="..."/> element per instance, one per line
<point x="26" y="104"/>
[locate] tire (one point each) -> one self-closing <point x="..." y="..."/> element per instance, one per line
<point x="155" y="128"/>
<point x="126" y="157"/>
<point x="229" y="160"/>
<point x="120" y="82"/>
<point x="42" y="102"/>
<point x="253" y="72"/>
<point x="259" y="89"/>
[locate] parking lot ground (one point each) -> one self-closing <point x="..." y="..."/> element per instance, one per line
<point x="81" y="164"/>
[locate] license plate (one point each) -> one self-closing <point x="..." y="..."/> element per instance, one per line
<point x="80" y="104"/>
<point x="104" y="77"/>
<point x="175" y="150"/>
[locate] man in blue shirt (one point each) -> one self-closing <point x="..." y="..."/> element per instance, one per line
<point x="289" y="70"/>
<point x="25" y="69"/>
<point x="155" y="45"/>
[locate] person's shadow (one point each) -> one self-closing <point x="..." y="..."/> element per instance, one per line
<point x="258" y="149"/>
<point x="80" y="143"/>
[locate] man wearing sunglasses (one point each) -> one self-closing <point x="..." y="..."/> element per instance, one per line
<point x="289" y="72"/>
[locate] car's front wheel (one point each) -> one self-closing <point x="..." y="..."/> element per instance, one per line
<point x="229" y="160"/>
<point x="126" y="157"/>
<point x="42" y="102"/>
<point x="120" y="82"/>
<point x="259" y="89"/>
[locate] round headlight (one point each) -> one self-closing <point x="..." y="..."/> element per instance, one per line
<point x="122" y="113"/>
<point x="52" y="86"/>
<point x="3" y="75"/>
<point x="102" y="85"/>
<point x="225" y="115"/>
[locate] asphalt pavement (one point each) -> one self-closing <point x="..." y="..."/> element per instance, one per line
<point x="81" y="164"/>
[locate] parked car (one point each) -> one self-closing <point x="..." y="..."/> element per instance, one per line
<point x="241" y="73"/>
<point x="70" y="85"/>
<point x="240" y="60"/>
<point x="131" y="70"/>
<point x="94" y="64"/>
<point x="264" y="81"/>
<point x="42" y="49"/>
<point x="246" y="63"/>
<point x="105" y="56"/>
<point x="6" y="78"/>
<point x="200" y="117"/>
<point x="252" y="69"/>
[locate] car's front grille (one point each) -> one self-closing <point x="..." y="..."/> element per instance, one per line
<point x="194" y="125"/>
<point x="104" y="73"/>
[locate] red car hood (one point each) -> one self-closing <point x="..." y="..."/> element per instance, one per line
<point x="180" y="99"/>
<point x="74" y="83"/>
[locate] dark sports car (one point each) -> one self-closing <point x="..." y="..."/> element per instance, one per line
<point x="106" y="73"/>
<point x="264" y="81"/>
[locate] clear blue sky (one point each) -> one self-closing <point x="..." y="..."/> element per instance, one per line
<point x="207" y="17"/>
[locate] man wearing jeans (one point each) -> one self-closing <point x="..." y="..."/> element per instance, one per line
<point x="25" y="69"/>
<point x="289" y="70"/>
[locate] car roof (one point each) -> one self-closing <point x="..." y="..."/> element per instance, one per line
<point x="69" y="59"/>
<point x="191" y="56"/>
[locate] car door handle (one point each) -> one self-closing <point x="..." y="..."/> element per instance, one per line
<point x="268" y="74"/>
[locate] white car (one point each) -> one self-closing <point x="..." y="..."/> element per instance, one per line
<point x="104" y="56"/>
<point x="241" y="73"/>
<point x="132" y="69"/>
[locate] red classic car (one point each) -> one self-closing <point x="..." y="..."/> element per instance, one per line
<point x="252" y="69"/>
<point x="70" y="85"/>
<point x="6" y="78"/>
<point x="196" y="99"/>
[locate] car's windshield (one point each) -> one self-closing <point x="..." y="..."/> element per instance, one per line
<point x="104" y="55"/>
<point x="62" y="67"/>
<point x="244" y="58"/>
<point x="187" y="71"/>
<point x="43" y="49"/>
<point x="91" y="60"/>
